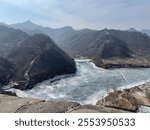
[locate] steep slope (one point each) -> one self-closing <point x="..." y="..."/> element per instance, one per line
<point x="136" y="41"/>
<point x="7" y="71"/>
<point x="38" y="59"/>
<point x="111" y="47"/>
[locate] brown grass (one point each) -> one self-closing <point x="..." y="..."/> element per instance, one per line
<point x="132" y="62"/>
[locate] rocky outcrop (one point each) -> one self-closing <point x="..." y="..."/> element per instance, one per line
<point x="127" y="99"/>
<point x="121" y="101"/>
<point x="13" y="104"/>
<point x="95" y="109"/>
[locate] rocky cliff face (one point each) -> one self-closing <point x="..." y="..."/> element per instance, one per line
<point x="35" y="59"/>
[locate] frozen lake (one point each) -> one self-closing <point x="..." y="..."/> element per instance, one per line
<point x="88" y="85"/>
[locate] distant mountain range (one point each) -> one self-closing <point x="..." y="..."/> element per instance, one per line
<point x="58" y="35"/>
<point x="96" y="45"/>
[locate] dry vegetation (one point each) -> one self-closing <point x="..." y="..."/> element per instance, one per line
<point x="132" y="62"/>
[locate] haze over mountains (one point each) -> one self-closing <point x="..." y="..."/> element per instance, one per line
<point x="34" y="57"/>
<point x="94" y="44"/>
<point x="58" y="35"/>
<point x="146" y="31"/>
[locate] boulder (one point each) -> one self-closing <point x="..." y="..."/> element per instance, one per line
<point x="120" y="100"/>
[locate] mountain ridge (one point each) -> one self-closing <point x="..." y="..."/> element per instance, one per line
<point x="85" y="43"/>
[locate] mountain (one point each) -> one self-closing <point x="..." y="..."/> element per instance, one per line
<point x="26" y="25"/>
<point x="58" y="35"/>
<point x="146" y="31"/>
<point x="7" y="71"/>
<point x="3" y="24"/>
<point x="132" y="30"/>
<point x="88" y="43"/>
<point x="84" y="42"/>
<point x="10" y="38"/>
<point x="30" y="59"/>
<point x="112" y="47"/>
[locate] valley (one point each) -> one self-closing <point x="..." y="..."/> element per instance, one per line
<point x="76" y="69"/>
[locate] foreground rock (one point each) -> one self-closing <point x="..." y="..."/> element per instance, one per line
<point x="95" y="109"/>
<point x="128" y="99"/>
<point x="13" y="104"/>
<point x="125" y="101"/>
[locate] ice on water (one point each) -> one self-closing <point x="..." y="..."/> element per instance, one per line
<point x="88" y="85"/>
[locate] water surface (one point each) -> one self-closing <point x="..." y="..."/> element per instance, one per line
<point x="88" y="85"/>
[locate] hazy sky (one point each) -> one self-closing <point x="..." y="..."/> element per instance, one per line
<point x="95" y="14"/>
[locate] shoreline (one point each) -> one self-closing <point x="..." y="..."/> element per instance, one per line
<point x="130" y="99"/>
<point x="27" y="105"/>
<point x="111" y="104"/>
<point x="95" y="96"/>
